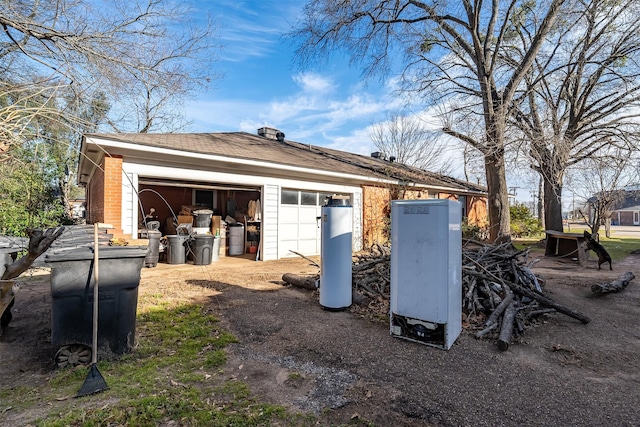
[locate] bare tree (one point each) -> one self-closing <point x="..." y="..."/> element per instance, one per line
<point x="410" y="142"/>
<point x="452" y="49"/>
<point x="603" y="180"/>
<point x="141" y="53"/>
<point x="582" y="95"/>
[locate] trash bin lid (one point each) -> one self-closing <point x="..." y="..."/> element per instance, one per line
<point x="104" y="252"/>
<point x="203" y="212"/>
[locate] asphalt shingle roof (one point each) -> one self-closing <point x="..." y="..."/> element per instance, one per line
<point x="243" y="145"/>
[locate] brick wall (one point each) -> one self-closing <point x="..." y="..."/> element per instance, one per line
<point x="376" y="209"/>
<point x="104" y="193"/>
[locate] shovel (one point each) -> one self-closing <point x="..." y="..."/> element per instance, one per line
<point x="94" y="382"/>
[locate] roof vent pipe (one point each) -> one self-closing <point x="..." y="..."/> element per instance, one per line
<point x="280" y="136"/>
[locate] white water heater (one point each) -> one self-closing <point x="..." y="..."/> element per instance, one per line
<point x="426" y="271"/>
<point x="336" y="253"/>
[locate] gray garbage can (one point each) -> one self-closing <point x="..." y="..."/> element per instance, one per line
<point x="202" y="217"/>
<point x="72" y="284"/>
<point x="151" y="260"/>
<point x="177" y="249"/>
<point x="202" y="247"/>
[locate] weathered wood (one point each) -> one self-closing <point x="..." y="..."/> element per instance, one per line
<point x="306" y="282"/>
<point x="552" y="304"/>
<point x="547" y="302"/>
<point x="39" y="242"/>
<point x="492" y="320"/>
<point x="506" y="329"/>
<point x="616" y="286"/>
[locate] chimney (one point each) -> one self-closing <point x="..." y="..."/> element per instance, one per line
<point x="271" y="133"/>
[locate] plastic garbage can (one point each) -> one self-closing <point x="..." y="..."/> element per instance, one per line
<point x="151" y="260"/>
<point x="202" y="217"/>
<point x="72" y="284"/>
<point x="177" y="249"/>
<point x="202" y="247"/>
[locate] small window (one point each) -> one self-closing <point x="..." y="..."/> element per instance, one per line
<point x="289" y="197"/>
<point x="308" y="198"/>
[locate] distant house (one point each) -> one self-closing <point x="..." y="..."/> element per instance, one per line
<point x="627" y="212"/>
<point x="126" y="175"/>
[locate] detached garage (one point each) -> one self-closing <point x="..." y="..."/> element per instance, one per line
<point x="274" y="187"/>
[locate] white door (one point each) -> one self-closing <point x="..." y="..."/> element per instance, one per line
<point x="636" y="217"/>
<point x="298" y="223"/>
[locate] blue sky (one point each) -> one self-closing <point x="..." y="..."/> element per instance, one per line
<point x="329" y="106"/>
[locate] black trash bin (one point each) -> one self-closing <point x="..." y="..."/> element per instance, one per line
<point x="72" y="283"/>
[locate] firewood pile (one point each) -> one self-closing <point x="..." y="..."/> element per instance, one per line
<point x="501" y="296"/>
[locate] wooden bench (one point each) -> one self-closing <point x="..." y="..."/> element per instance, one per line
<point x="565" y="245"/>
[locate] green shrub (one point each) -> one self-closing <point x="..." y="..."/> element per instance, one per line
<point x="523" y="223"/>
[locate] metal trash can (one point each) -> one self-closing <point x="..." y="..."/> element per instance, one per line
<point x="72" y="284"/>
<point x="177" y="249"/>
<point x="236" y="239"/>
<point x="202" y="248"/>
<point x="151" y="260"/>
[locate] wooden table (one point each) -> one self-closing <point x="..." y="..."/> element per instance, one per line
<point x="565" y="245"/>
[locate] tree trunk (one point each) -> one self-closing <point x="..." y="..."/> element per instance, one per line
<point x="498" y="206"/>
<point x="552" y="203"/>
<point x="607" y="227"/>
<point x="540" y="202"/>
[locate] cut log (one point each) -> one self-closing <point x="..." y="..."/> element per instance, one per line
<point x="306" y="282"/>
<point x="506" y="330"/>
<point x="616" y="286"/>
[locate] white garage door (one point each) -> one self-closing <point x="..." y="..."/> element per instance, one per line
<point x="298" y="225"/>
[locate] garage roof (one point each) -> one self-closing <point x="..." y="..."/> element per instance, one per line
<point x="243" y="145"/>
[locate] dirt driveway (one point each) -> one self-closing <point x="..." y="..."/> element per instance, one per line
<point x="339" y="366"/>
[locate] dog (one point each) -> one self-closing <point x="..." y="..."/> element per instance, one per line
<point x="603" y="255"/>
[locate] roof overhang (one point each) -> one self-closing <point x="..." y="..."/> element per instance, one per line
<point x="94" y="149"/>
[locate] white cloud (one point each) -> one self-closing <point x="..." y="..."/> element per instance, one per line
<point x="313" y="82"/>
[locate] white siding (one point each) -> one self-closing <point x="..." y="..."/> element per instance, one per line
<point x="129" y="204"/>
<point x="269" y="238"/>
<point x="357" y="221"/>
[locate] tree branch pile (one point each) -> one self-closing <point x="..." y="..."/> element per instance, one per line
<point x="501" y="296"/>
<point x="500" y="293"/>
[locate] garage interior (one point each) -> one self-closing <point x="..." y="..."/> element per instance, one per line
<point x="163" y="201"/>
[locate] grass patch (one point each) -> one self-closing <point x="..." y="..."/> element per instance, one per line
<point x="174" y="375"/>
<point x="618" y="247"/>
